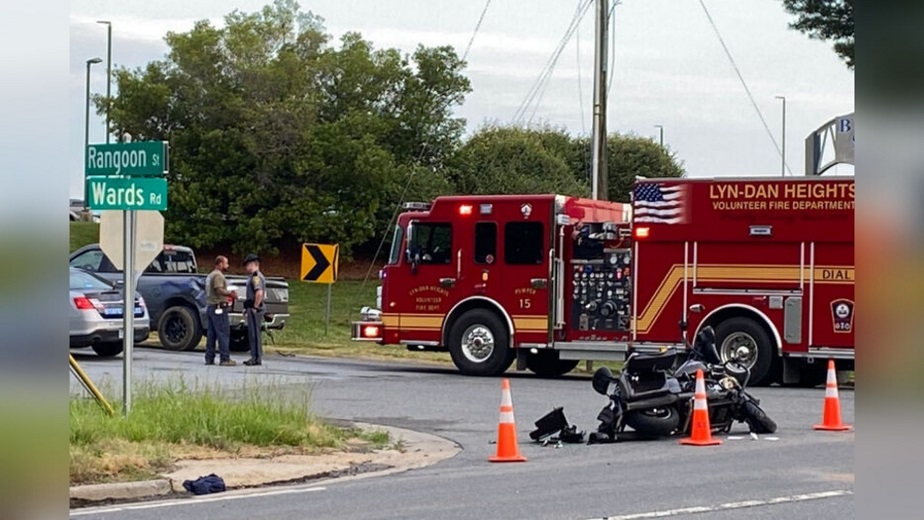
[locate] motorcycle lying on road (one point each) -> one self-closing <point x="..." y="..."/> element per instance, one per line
<point x="653" y="393"/>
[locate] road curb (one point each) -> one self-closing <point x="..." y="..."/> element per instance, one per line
<point x="418" y="450"/>
<point x="121" y="491"/>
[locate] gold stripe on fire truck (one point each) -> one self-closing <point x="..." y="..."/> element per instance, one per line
<point x="532" y="323"/>
<point x="743" y="273"/>
<point x="433" y="322"/>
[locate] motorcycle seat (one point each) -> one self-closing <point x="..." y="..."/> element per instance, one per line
<point x="640" y="362"/>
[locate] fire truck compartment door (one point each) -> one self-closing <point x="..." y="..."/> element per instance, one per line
<point x="792" y="320"/>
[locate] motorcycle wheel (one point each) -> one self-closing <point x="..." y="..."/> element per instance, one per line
<point x="757" y="419"/>
<point x="659" y="421"/>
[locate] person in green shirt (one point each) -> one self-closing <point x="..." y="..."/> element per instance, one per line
<point x="218" y="303"/>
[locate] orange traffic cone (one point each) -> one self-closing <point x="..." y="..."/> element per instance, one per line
<point x="832" y="417"/>
<point x="507" y="449"/>
<point x="702" y="431"/>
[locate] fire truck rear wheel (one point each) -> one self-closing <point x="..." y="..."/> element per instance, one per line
<point x="480" y="344"/>
<point x="548" y="364"/>
<point x="745" y="337"/>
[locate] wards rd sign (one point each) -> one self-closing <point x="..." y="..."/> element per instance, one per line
<point x="126" y="194"/>
<point x="139" y="159"/>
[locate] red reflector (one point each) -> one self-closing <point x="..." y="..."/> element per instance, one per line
<point x="642" y="232"/>
<point x="371" y="331"/>
<point x="83" y="303"/>
<point x="465" y="210"/>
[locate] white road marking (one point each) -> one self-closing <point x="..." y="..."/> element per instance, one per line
<point x="193" y="501"/>
<point x="733" y="505"/>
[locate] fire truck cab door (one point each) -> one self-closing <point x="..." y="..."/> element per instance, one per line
<point x="431" y="278"/>
<point x="526" y="283"/>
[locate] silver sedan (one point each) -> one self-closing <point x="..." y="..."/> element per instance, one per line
<point x="96" y="308"/>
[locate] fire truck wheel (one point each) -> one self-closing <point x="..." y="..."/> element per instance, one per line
<point x="746" y="339"/>
<point x="547" y="364"/>
<point x="480" y="345"/>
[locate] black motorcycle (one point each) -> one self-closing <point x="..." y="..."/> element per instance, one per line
<point x="653" y="394"/>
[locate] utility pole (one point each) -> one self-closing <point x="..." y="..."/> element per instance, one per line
<point x="108" y="73"/>
<point x="661" y="133"/>
<point x="599" y="172"/>
<point x="86" y="133"/>
<point x="783" y="166"/>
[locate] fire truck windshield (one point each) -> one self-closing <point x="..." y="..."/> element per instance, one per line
<point x="396" y="246"/>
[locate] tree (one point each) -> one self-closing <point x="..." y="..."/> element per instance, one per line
<point x="510" y="160"/>
<point x="632" y="156"/>
<point x="277" y="136"/>
<point x="827" y="20"/>
<point x="628" y="157"/>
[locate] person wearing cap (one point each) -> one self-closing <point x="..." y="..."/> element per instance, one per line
<point x="217" y="299"/>
<point x="254" y="308"/>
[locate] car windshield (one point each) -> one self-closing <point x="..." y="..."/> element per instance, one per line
<point x="396" y="246"/>
<point x="81" y="281"/>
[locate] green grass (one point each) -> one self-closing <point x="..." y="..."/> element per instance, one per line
<point x="83" y="233"/>
<point x="176" y="419"/>
<point x="305" y="331"/>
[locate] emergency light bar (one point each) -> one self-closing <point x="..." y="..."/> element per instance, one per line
<point x="417" y="206"/>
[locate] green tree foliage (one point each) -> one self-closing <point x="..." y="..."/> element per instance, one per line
<point x="510" y="160"/>
<point x="278" y="136"/>
<point x="633" y="156"/>
<point x="828" y="20"/>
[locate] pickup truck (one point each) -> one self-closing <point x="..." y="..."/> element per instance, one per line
<point x="174" y="291"/>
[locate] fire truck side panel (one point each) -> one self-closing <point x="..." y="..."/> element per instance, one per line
<point x="778" y="253"/>
<point x="831" y="299"/>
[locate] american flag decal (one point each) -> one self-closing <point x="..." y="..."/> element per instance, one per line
<point x="660" y="204"/>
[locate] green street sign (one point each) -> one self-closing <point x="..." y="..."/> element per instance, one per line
<point x="126" y="194"/>
<point x="138" y="159"/>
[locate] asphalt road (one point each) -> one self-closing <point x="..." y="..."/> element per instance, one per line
<point x="797" y="473"/>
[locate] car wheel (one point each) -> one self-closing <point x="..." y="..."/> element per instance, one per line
<point x="179" y="329"/>
<point x="479" y="344"/>
<point x="107" y="349"/>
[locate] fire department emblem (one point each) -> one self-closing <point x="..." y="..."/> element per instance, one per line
<point x="526" y="210"/>
<point x="842" y="314"/>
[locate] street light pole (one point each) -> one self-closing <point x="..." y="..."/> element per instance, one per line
<point x="661" y="132"/>
<point x="86" y="132"/>
<point x="783" y="166"/>
<point x="108" y="72"/>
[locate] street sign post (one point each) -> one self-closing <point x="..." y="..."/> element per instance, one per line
<point x="129" y="176"/>
<point x="320" y="263"/>
<point x="149" y="239"/>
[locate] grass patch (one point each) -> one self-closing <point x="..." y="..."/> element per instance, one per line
<point x="83" y="233"/>
<point x="184" y="421"/>
<point x="305" y="334"/>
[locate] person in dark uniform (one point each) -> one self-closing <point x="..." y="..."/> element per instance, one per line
<point x="218" y="300"/>
<point x="254" y="308"/>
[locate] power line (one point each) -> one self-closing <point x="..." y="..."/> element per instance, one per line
<point x="423" y="148"/>
<point x="475" y="32"/>
<point x="538" y="88"/>
<point x="612" y="47"/>
<point x="743" y="83"/>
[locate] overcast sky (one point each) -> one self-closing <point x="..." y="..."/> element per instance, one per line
<point x="670" y="68"/>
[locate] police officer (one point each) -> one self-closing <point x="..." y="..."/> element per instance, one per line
<point x="254" y="308"/>
<point x="217" y="302"/>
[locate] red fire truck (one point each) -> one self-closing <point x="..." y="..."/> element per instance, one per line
<point x="548" y="280"/>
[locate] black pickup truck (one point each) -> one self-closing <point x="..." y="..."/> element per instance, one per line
<point x="174" y="292"/>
